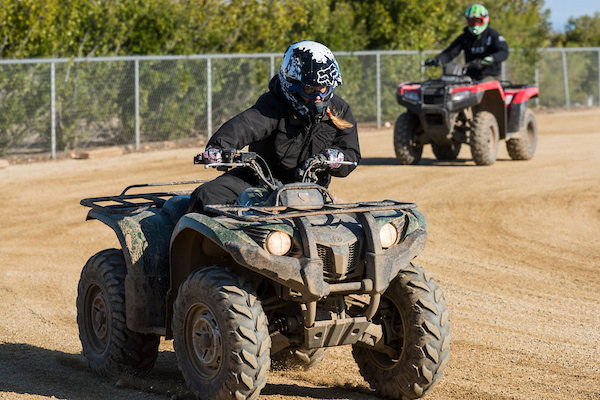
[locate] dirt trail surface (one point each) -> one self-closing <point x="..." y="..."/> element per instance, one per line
<point x="515" y="247"/>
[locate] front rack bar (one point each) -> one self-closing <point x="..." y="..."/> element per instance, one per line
<point x="242" y="213"/>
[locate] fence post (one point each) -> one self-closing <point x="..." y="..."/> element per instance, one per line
<point x="566" y="79"/>
<point x="208" y="98"/>
<point x="537" y="83"/>
<point x="272" y="68"/>
<point x="53" y="110"/>
<point x="137" y="104"/>
<point x="378" y="62"/>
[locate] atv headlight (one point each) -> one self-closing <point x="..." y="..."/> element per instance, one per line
<point x="278" y="243"/>
<point x="388" y="235"/>
<point x="458" y="96"/>
<point x="412" y="96"/>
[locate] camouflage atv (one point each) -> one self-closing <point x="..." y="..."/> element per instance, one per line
<point x="285" y="270"/>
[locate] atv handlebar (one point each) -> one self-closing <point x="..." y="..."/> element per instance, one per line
<point x="232" y="158"/>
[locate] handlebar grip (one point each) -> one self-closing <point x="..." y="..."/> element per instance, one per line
<point x="341" y="162"/>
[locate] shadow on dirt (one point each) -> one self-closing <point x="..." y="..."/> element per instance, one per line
<point x="318" y="393"/>
<point x="27" y="369"/>
<point x="32" y="370"/>
<point x="425" y="162"/>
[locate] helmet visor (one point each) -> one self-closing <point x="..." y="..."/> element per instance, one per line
<point x="477" y="21"/>
<point x="312" y="92"/>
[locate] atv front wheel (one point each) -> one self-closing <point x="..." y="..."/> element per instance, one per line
<point x="407" y="152"/>
<point x="485" y="135"/>
<point x="446" y="151"/>
<point x="221" y="337"/>
<point x="523" y="146"/>
<point x="416" y="325"/>
<point x="108" y="345"/>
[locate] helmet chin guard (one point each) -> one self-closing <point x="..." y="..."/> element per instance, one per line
<point x="308" y="63"/>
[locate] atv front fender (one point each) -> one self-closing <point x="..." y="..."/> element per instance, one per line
<point x="382" y="266"/>
<point x="199" y="240"/>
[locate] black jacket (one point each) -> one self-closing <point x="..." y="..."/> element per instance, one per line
<point x="488" y="43"/>
<point x="285" y="139"/>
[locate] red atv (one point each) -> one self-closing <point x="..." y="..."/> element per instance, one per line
<point x="453" y="110"/>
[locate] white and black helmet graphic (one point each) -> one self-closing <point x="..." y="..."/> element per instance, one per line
<point x="308" y="63"/>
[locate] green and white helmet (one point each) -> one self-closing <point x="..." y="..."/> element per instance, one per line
<point x="477" y="19"/>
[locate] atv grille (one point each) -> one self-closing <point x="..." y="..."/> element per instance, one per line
<point x="351" y="269"/>
<point x="433" y="99"/>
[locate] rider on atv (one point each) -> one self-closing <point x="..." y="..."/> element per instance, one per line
<point x="485" y="49"/>
<point x="297" y="119"/>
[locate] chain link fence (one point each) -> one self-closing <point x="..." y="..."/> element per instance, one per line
<point x="58" y="105"/>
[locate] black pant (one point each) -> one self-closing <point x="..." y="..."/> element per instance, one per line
<point x="224" y="189"/>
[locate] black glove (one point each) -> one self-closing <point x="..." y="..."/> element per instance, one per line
<point x="487" y="60"/>
<point x="474" y="64"/>
<point x="432" y="62"/>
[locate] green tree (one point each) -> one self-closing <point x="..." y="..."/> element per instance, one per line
<point x="582" y="31"/>
<point x="406" y="24"/>
<point x="525" y="26"/>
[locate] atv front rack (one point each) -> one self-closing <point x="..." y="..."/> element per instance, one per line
<point x="132" y="203"/>
<point x="260" y="214"/>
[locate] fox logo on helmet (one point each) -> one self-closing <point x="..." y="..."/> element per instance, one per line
<point x="329" y="76"/>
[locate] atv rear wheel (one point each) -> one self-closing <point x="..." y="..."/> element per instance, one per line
<point x="108" y="345"/>
<point x="523" y="147"/>
<point x="485" y="135"/>
<point x="446" y="151"/>
<point x="407" y="152"/>
<point x="221" y="337"/>
<point x="416" y="324"/>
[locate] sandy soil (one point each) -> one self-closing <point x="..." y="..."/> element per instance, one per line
<point x="514" y="246"/>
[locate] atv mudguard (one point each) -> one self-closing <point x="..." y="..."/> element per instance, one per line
<point x="144" y="237"/>
<point x="517" y="97"/>
<point x="508" y="104"/>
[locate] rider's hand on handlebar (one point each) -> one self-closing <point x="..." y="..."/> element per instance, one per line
<point x="212" y="155"/>
<point x="474" y="64"/>
<point x="480" y="62"/>
<point x="487" y="60"/>
<point x="332" y="156"/>
<point x="432" y="62"/>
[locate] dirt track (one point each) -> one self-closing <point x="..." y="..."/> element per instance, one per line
<point x="514" y="246"/>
